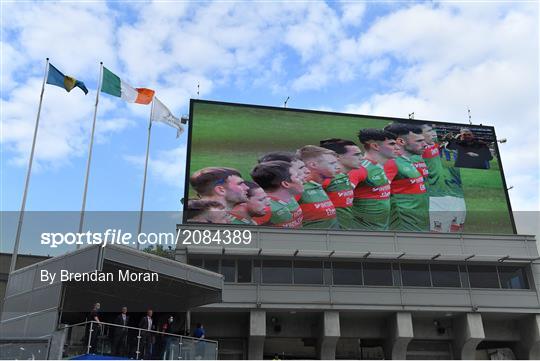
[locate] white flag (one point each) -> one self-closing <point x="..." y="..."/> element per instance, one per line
<point x="162" y="114"/>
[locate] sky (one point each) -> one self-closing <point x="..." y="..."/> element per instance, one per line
<point x="436" y="59"/>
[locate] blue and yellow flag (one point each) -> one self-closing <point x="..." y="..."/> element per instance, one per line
<point x="55" y="77"/>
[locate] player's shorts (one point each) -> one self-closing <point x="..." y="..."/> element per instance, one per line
<point x="447" y="214"/>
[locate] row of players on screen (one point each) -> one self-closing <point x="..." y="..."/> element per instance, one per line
<point x="398" y="183"/>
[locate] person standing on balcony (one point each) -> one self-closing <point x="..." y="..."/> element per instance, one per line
<point x="199" y="333"/>
<point x="94" y="328"/>
<point x="147" y="338"/>
<point x="120" y="338"/>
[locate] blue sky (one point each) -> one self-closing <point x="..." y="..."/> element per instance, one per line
<point x="434" y="58"/>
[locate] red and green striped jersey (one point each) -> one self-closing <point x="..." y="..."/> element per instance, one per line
<point x="420" y="166"/>
<point x="239" y="220"/>
<point x="442" y="181"/>
<point x="317" y="208"/>
<point x="261" y="220"/>
<point x="285" y="214"/>
<point x="340" y="190"/>
<point x="409" y="200"/>
<point x="371" y="204"/>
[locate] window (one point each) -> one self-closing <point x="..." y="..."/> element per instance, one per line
<point x="513" y="277"/>
<point x="228" y="269"/>
<point x="347" y="273"/>
<point x="483" y="277"/>
<point x="195" y="261"/>
<point x="257" y="270"/>
<point x="415" y="275"/>
<point x="244" y="271"/>
<point x="277" y="271"/>
<point x="212" y="265"/>
<point x="463" y="275"/>
<point x="396" y="274"/>
<point x="308" y="272"/>
<point x="327" y="273"/>
<point x="377" y="274"/>
<point x="445" y="275"/>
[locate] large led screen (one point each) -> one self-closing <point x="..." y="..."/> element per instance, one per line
<point x="276" y="167"/>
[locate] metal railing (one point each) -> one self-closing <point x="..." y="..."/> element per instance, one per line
<point x="107" y="339"/>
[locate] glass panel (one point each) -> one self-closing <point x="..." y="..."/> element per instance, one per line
<point x="445" y="275"/>
<point x="190" y="349"/>
<point x="327" y="273"/>
<point x="212" y="265"/>
<point x="257" y="271"/>
<point x="277" y="271"/>
<point x="463" y="274"/>
<point x="347" y="273"/>
<point x="416" y="275"/>
<point x="195" y="261"/>
<point x="23" y="350"/>
<point x="483" y="277"/>
<point x="244" y="271"/>
<point x="308" y="272"/>
<point x="76" y="341"/>
<point x="513" y="277"/>
<point x="113" y="341"/>
<point x="228" y="269"/>
<point x="377" y="274"/>
<point x="397" y="274"/>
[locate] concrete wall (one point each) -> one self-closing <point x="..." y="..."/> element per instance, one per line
<point x="346" y="243"/>
<point x="378" y="298"/>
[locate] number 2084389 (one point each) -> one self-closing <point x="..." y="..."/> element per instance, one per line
<point x="223" y="237"/>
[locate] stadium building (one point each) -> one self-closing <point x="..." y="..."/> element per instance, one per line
<point x="367" y="295"/>
<point x="277" y="293"/>
<point x="466" y="290"/>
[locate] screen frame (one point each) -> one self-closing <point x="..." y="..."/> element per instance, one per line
<point x="192" y="103"/>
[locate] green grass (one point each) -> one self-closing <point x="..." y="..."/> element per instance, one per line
<point x="237" y="136"/>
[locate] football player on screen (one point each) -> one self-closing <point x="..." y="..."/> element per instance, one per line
<point x="255" y="211"/>
<point x="206" y="211"/>
<point x="340" y="188"/>
<point x="447" y="208"/>
<point x="318" y="209"/>
<point x="281" y="182"/>
<point x="371" y="204"/>
<point x="409" y="200"/>
<point x="220" y="184"/>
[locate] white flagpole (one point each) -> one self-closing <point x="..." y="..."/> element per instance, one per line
<point x="81" y="222"/>
<point x="145" y="169"/>
<point x="27" y="182"/>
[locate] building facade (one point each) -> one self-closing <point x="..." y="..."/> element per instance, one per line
<point x="369" y="295"/>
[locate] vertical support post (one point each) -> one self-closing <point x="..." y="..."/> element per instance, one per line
<point x="91" y="146"/>
<point x="90" y="337"/>
<point x="138" y="352"/>
<point x="257" y="334"/>
<point x="145" y="171"/>
<point x="28" y="173"/>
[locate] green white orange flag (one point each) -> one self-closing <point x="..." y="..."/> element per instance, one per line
<point x="162" y="114"/>
<point x="115" y="86"/>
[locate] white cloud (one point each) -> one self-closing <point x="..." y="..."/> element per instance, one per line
<point x="452" y="59"/>
<point x="167" y="166"/>
<point x="74" y="36"/>
<point x="352" y="12"/>
<point x="433" y="59"/>
<point x="64" y="128"/>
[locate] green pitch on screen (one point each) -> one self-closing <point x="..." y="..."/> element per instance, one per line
<point x="236" y="136"/>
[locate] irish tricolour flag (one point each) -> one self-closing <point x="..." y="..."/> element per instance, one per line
<point x="115" y="86"/>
